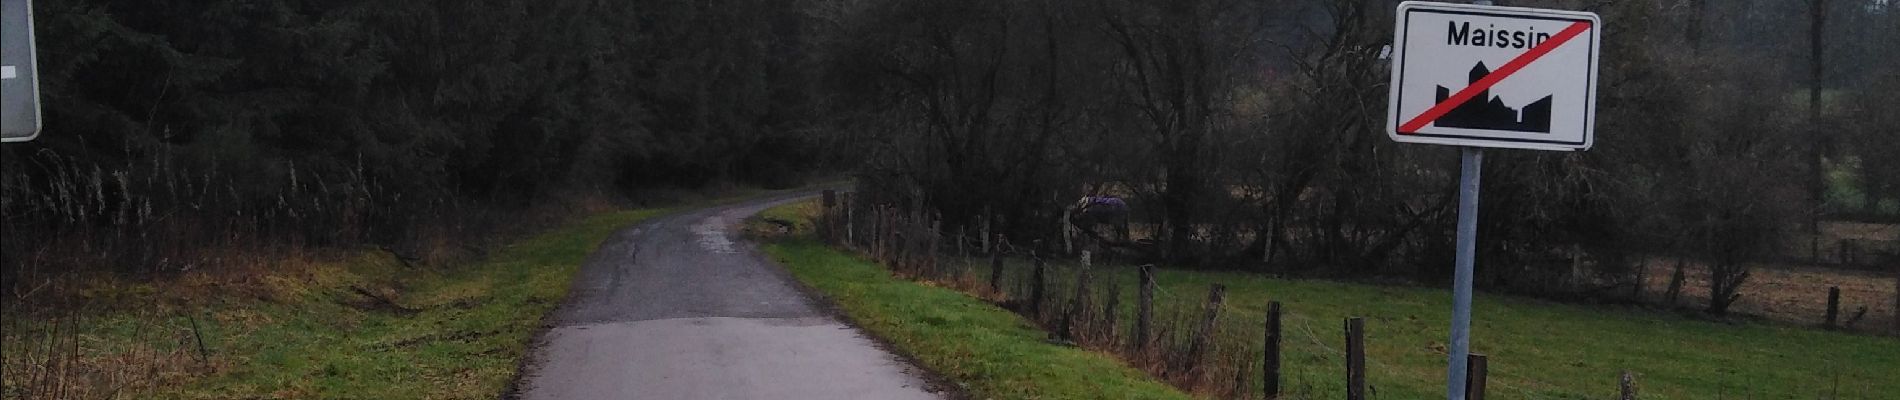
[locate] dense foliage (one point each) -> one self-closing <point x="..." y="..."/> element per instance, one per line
<point x="1248" y="134"/>
<point x="179" y="124"/>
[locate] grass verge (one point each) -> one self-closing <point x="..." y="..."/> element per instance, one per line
<point x="992" y="353"/>
<point x="364" y="327"/>
<point x="1538" y="349"/>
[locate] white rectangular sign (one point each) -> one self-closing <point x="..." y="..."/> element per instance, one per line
<point x="19" y="75"/>
<point x="1488" y="76"/>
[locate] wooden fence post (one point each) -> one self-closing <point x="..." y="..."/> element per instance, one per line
<point x="1111" y="309"/>
<point x="936" y="240"/>
<point x="1355" y="358"/>
<point x="1833" y="319"/>
<point x="850" y="225"/>
<point x="1036" y="280"/>
<point x="919" y="233"/>
<point x="1271" y="362"/>
<point x="1475" y="369"/>
<point x="900" y="240"/>
<point x="1145" y="308"/>
<point x="1210" y="320"/>
<point x="963" y="254"/>
<point x="1068" y="235"/>
<point x="1627" y="387"/>
<point x="1077" y="305"/>
<point x="887" y="232"/>
<point x="996" y="264"/>
<point x="828" y="217"/>
<point x="877" y="234"/>
<point x="1675" y="284"/>
<point x="1642" y="279"/>
<point x="906" y="231"/>
<point x="901" y="234"/>
<point x="986" y="229"/>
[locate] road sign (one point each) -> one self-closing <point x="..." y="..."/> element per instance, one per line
<point x="1487" y="76"/>
<point x="19" y="73"/>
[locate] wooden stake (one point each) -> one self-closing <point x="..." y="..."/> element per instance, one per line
<point x="850" y="225"/>
<point x="1474" y="380"/>
<point x="1107" y="330"/>
<point x="1036" y="281"/>
<point x="996" y="265"/>
<point x="1833" y="319"/>
<point x="1145" y="308"/>
<point x="1271" y="362"/>
<point x="1355" y="358"/>
<point x="1078" y="304"/>
<point x="1210" y="320"/>
<point x="986" y="230"/>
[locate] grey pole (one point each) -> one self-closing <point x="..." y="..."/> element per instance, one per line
<point x="1472" y="160"/>
<point x="1472" y="164"/>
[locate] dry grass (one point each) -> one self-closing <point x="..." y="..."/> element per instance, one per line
<point x="104" y="335"/>
<point x="1786" y="293"/>
<point x="349" y="324"/>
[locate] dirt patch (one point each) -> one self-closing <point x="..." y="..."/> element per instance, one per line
<point x="377" y="298"/>
<point x="1788" y="293"/>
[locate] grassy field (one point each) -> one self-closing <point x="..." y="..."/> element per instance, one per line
<point x="988" y="351"/>
<point x="1544" y="350"/>
<point x="1538" y="349"/>
<point x="1844" y="192"/>
<point x="991" y="352"/>
<point x="368" y="327"/>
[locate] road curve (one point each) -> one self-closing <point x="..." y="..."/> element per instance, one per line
<point x="680" y="308"/>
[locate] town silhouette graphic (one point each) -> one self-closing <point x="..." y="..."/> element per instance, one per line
<point x="1485" y="111"/>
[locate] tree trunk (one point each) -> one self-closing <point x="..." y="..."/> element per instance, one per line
<point x="1725" y="283"/>
<point x="1817" y="142"/>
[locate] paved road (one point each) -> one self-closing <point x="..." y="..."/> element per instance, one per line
<point x="680" y="308"/>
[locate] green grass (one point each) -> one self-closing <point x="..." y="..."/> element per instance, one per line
<point x="1844" y="192"/>
<point x="297" y="327"/>
<point x="1537" y="349"/>
<point x="1541" y="349"/>
<point x="309" y="334"/>
<point x="993" y="353"/>
<point x="472" y="329"/>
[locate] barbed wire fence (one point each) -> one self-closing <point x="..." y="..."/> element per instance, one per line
<point x="1194" y="341"/>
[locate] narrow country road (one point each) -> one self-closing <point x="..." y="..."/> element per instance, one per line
<point x="680" y="307"/>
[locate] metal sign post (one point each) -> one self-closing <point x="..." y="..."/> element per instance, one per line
<point x="1477" y="76"/>
<point x="1470" y="174"/>
<point x="19" y="73"/>
<point x="1472" y="165"/>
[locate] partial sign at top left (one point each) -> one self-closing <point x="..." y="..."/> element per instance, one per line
<point x="19" y="73"/>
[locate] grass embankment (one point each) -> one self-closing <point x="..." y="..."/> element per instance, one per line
<point x="991" y="352"/>
<point x="1538" y="349"/>
<point x="1541" y="349"/>
<point x="368" y="328"/>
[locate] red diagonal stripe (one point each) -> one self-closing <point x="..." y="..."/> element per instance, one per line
<point x="1485" y="83"/>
